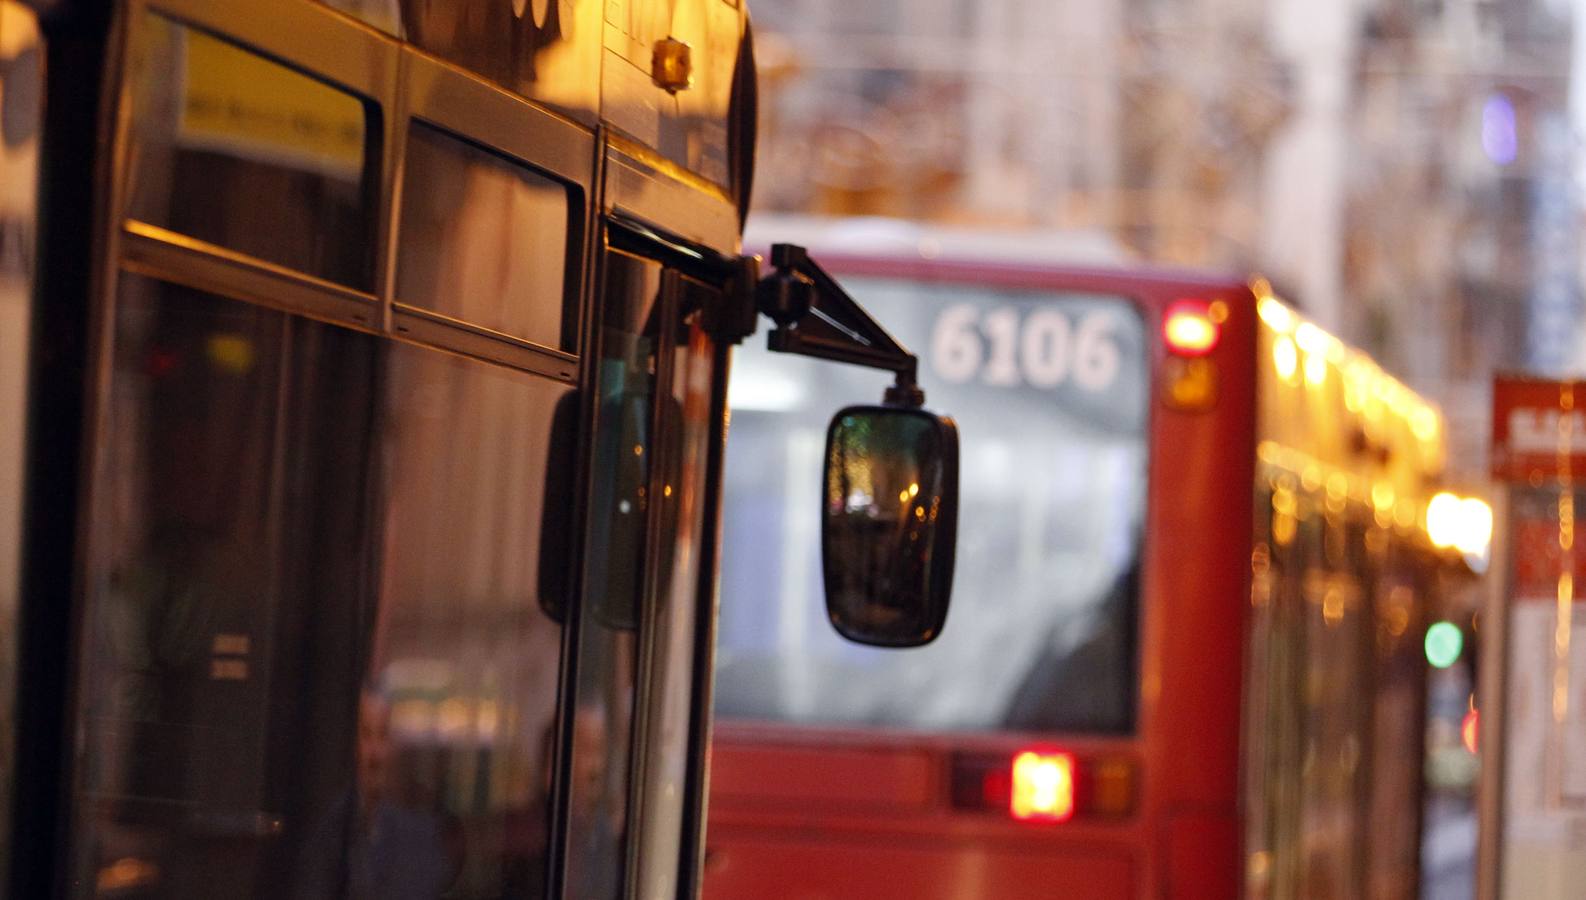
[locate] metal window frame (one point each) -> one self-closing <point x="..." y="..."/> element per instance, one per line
<point x="475" y="112"/>
<point x="400" y="85"/>
<point x="641" y="186"/>
<point x="327" y="46"/>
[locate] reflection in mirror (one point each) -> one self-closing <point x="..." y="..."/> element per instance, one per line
<point x="889" y="524"/>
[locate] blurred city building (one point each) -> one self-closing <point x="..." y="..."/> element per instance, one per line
<point x="1408" y="171"/>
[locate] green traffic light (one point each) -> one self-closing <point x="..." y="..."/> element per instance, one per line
<point x="1444" y="641"/>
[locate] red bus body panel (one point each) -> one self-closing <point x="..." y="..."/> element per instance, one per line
<point x="827" y="813"/>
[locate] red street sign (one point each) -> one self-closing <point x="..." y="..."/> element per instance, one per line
<point x="1538" y="429"/>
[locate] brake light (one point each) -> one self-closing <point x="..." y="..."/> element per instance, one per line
<point x="1191" y="327"/>
<point x="1043" y="787"/>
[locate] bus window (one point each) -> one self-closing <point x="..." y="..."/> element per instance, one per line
<point x="1051" y="392"/>
<point x="212" y="123"/>
<point x="21" y="90"/>
<point x="483" y="240"/>
<point x="675" y="626"/>
<point x="614" y="575"/>
<point x="316" y="664"/>
<point x="464" y="657"/>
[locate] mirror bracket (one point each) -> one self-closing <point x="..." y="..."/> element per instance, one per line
<point x="815" y="317"/>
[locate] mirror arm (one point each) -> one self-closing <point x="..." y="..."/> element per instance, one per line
<point x="798" y="290"/>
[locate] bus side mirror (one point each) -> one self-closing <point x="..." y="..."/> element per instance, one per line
<point x="889" y="524"/>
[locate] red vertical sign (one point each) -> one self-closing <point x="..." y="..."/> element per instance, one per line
<point x="1538" y="429"/>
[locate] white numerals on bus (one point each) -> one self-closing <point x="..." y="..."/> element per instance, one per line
<point x="1043" y="351"/>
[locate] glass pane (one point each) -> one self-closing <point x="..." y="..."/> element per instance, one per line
<point x="316" y="661"/>
<point x="1053" y="389"/>
<point x="231" y="148"/>
<point x="613" y="578"/>
<point x="464" y="665"/>
<point x="677" y="616"/>
<point x="174" y="795"/>
<point x="1334" y="683"/>
<point x="21" y="90"/>
<point x="1396" y="780"/>
<point x="483" y="240"/>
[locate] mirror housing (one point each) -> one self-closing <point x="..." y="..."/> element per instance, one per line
<point x="889" y="524"/>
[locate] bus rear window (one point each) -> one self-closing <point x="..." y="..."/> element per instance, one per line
<point x="1050" y="394"/>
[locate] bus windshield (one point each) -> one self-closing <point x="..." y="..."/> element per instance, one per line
<point x="1050" y="393"/>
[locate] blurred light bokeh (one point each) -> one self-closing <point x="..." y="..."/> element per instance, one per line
<point x="1407" y="171"/>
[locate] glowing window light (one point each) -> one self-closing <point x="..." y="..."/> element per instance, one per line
<point x="1476" y="533"/>
<point x="1043" y="787"/>
<point x="1443" y="519"/>
<point x="1444" y="642"/>
<point x="1315" y="369"/>
<point x="1310" y="338"/>
<point x="1424" y="423"/>
<point x="1275" y="314"/>
<point x="1462" y="523"/>
<point x="1286" y="357"/>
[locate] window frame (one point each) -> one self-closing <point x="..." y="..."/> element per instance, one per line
<point x="399" y="85"/>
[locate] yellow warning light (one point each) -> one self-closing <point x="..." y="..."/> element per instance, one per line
<point x="1189" y="384"/>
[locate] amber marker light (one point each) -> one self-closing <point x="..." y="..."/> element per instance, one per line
<point x="1190" y="329"/>
<point x="1043" y="787"/>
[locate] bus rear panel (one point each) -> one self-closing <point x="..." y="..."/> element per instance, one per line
<point x="1075" y="729"/>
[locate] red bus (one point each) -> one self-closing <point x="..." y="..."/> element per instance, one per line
<point x="1184" y="658"/>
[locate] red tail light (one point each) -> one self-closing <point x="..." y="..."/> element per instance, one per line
<point x="1190" y="328"/>
<point x="1043" y="787"/>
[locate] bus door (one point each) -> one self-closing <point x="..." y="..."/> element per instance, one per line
<point x="636" y="723"/>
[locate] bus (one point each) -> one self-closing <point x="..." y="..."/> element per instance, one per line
<point x="370" y="360"/>
<point x="1185" y="657"/>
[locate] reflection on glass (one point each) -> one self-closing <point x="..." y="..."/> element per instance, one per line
<point x="886" y="495"/>
<point x="316" y="665"/>
<point x="613" y="577"/>
<point x="239" y="151"/>
<point x="1050" y="393"/>
<point x="1326" y="774"/>
<point x="463" y="655"/>
<point x="677" y="615"/>
<point x="21" y="89"/>
<point x="548" y="50"/>
<point x="483" y="240"/>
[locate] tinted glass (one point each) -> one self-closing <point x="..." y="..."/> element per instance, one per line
<point x="483" y="240"/>
<point x="233" y="149"/>
<point x="21" y="90"/>
<point x="614" y="577"/>
<point x="1050" y="395"/>
<point x="888" y="495"/>
<point x="1334" y="698"/>
<point x="547" y="50"/>
<point x="687" y="408"/>
<point x="315" y="660"/>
